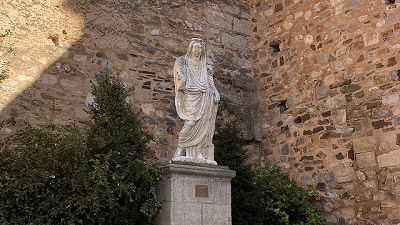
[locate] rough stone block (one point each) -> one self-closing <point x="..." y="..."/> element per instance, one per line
<point x="242" y="26"/>
<point x="194" y="194"/>
<point x="390" y="99"/>
<point x="185" y="213"/>
<point x="366" y="159"/>
<point x="392" y="159"/>
<point x="234" y="41"/>
<point x="371" y="38"/>
<point x="352" y="3"/>
<point x="364" y="144"/>
<point x="348" y="213"/>
<point x="230" y="8"/>
<point x="211" y="217"/>
<point x="49" y="79"/>
<point x="345" y="175"/>
<point x="220" y="20"/>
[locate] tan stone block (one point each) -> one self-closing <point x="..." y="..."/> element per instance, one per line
<point x="390" y="99"/>
<point x="345" y="175"/>
<point x="219" y="19"/>
<point x="242" y="26"/>
<point x="148" y="108"/>
<point x="335" y="2"/>
<point x="348" y="213"/>
<point x="234" y="41"/>
<point x="371" y="38"/>
<point x="307" y="15"/>
<point x="391" y="159"/>
<point x="49" y="79"/>
<point x="298" y="14"/>
<point x="329" y="80"/>
<point x="364" y="144"/>
<point x="365" y="160"/>
<point x="287" y="24"/>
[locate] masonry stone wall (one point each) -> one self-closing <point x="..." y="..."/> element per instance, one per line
<point x="313" y="85"/>
<point x="52" y="50"/>
<point x="328" y="88"/>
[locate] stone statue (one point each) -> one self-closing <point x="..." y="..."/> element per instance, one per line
<point x="196" y="100"/>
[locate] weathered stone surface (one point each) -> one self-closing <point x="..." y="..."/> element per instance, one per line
<point x="242" y="26"/>
<point x="390" y="159"/>
<point x="48" y="79"/>
<point x="390" y="99"/>
<point x="285" y="149"/>
<point x="371" y="38"/>
<point x="194" y="193"/>
<point x="364" y="144"/>
<point x="337" y="59"/>
<point x="366" y="160"/>
<point x="220" y="20"/>
<point x="345" y="175"/>
<point x="234" y="41"/>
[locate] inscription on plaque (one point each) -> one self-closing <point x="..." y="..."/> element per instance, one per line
<point x="201" y="191"/>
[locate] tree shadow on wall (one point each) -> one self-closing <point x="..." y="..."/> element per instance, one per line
<point x="139" y="40"/>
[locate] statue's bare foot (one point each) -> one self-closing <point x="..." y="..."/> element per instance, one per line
<point x="212" y="162"/>
<point x="178" y="153"/>
<point x="201" y="157"/>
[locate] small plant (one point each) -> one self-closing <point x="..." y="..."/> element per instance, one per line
<point x="3" y="70"/>
<point x="10" y="120"/>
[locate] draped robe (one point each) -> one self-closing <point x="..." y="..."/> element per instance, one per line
<point x="195" y="104"/>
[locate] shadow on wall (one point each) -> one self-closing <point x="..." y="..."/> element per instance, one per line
<point x="57" y="47"/>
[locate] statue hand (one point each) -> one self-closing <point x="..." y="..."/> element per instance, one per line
<point x="217" y="97"/>
<point x="182" y="86"/>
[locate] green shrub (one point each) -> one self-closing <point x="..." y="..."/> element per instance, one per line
<point x="285" y="202"/>
<point x="247" y="206"/>
<point x="117" y="143"/>
<point x="37" y="165"/>
<point x="71" y="175"/>
<point x="263" y="196"/>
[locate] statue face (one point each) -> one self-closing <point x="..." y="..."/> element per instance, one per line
<point x="197" y="48"/>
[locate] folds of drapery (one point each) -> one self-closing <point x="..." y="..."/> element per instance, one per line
<point x="195" y="103"/>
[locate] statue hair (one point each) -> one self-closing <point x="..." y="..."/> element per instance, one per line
<point x="190" y="48"/>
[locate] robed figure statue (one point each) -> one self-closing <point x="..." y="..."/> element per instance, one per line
<point x="196" y="100"/>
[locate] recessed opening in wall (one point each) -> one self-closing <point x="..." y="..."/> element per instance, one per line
<point x="275" y="46"/>
<point x="389" y="2"/>
<point x="282" y="106"/>
<point x="398" y="74"/>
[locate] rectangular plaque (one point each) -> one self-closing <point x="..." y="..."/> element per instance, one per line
<point x="201" y="191"/>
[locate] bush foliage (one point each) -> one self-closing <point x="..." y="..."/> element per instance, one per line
<point x="73" y="175"/>
<point x="247" y="206"/>
<point x="285" y="202"/>
<point x="263" y="196"/>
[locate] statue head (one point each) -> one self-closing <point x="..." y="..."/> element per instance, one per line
<point x="196" y="48"/>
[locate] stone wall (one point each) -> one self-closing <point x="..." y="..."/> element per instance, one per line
<point x="54" y="48"/>
<point x="313" y="85"/>
<point x="328" y="91"/>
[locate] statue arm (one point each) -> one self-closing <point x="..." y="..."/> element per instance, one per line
<point x="179" y="73"/>
<point x="210" y="67"/>
<point x="213" y="88"/>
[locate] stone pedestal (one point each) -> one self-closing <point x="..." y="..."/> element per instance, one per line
<point x="194" y="194"/>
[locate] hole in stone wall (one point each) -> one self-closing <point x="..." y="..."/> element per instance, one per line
<point x="389" y="2"/>
<point x="398" y="74"/>
<point x="282" y="106"/>
<point x="275" y="46"/>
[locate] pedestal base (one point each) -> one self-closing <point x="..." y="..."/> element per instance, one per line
<point x="194" y="194"/>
